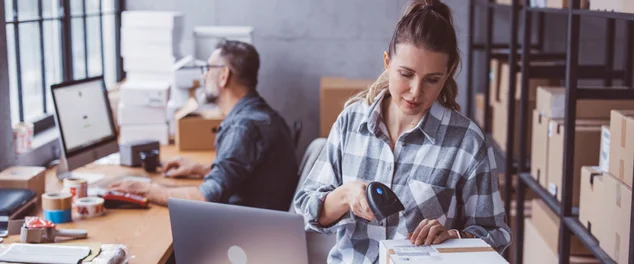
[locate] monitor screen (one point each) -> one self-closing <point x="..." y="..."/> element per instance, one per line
<point x="82" y="114"/>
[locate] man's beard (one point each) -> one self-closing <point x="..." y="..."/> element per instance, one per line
<point x="210" y="97"/>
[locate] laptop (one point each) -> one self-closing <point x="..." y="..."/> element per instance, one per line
<point x="205" y="232"/>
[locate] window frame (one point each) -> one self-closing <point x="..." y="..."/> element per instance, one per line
<point x="47" y="121"/>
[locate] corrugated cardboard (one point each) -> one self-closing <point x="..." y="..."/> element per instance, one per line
<point x="480" y="109"/>
<point x="592" y="211"/>
<point x="451" y="251"/>
<point x="622" y="145"/>
<point x="551" y="101"/>
<point x="539" y="149"/>
<point x="604" y="158"/>
<point x="565" y="4"/>
<point x="532" y="84"/>
<point x="586" y="150"/>
<point x="195" y="128"/>
<point x="624" y="6"/>
<point x="334" y="92"/>
<point x="157" y="132"/>
<point x="547" y="223"/>
<point x="154" y="94"/>
<point x="536" y="250"/>
<point x="494" y="81"/>
<point x="618" y="201"/>
<point x="138" y="115"/>
<point x="32" y="178"/>
<point x="499" y="124"/>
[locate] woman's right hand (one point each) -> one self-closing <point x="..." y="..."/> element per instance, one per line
<point x="357" y="200"/>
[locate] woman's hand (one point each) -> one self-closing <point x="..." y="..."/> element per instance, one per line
<point x="357" y="200"/>
<point x="431" y="232"/>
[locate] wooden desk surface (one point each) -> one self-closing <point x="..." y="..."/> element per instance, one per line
<point x="146" y="232"/>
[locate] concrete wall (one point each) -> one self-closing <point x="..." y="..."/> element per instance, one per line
<point x="6" y="133"/>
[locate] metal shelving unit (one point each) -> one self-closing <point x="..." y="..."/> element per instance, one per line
<point x="571" y="72"/>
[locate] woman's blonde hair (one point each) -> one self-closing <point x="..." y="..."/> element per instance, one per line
<point x="427" y="24"/>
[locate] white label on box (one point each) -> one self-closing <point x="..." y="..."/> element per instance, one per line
<point x="552" y="189"/>
<point x="550" y="129"/>
<point x="604" y="161"/>
<point x="412" y="250"/>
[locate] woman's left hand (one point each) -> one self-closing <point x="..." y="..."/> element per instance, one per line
<point x="431" y="232"/>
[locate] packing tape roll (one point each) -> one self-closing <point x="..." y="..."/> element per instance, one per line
<point x="58" y="216"/>
<point x="88" y="207"/>
<point x="57" y="201"/>
<point x="78" y="188"/>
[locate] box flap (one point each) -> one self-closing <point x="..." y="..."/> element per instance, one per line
<point x="192" y="108"/>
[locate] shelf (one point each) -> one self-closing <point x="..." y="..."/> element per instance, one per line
<point x="604" y="14"/>
<point x="543" y="194"/>
<point x="561" y="11"/>
<point x="605" y="94"/>
<point x="583" y="72"/>
<point x="536" y="56"/>
<point x="587" y="239"/>
<point x="494" y="46"/>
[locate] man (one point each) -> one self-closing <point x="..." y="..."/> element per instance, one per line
<point x="255" y="161"/>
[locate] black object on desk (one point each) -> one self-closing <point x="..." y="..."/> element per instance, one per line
<point x="130" y="152"/>
<point x="150" y="160"/>
<point x="382" y="200"/>
<point x="16" y="203"/>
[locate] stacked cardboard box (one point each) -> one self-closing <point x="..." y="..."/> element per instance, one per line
<point x="538" y="250"/>
<point x="480" y="110"/>
<point x="334" y="92"/>
<point x="498" y="92"/>
<point x="548" y="147"/>
<point x="150" y="45"/>
<point x="625" y="6"/>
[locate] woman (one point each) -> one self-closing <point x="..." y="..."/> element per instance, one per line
<point x="405" y="131"/>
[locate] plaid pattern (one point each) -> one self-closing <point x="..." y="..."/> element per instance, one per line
<point x="442" y="169"/>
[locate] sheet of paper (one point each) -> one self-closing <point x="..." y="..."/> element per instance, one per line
<point x="95" y="249"/>
<point x="53" y="254"/>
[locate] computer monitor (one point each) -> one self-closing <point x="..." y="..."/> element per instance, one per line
<point x="86" y="127"/>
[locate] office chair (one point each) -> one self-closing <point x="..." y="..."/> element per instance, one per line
<point x="297" y="131"/>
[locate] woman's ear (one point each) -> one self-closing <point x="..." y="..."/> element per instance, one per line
<point x="386" y="60"/>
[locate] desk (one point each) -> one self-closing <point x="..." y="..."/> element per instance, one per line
<point x="147" y="233"/>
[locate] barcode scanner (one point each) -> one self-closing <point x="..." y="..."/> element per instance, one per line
<point x="382" y="200"/>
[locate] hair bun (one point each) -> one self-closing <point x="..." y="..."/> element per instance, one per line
<point x="422" y="6"/>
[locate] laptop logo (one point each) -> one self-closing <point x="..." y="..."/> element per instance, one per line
<point x="237" y="255"/>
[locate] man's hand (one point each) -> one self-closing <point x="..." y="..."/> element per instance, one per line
<point x="431" y="232"/>
<point x="135" y="187"/>
<point x="183" y="168"/>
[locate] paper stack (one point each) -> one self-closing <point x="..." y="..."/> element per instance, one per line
<point x="150" y="46"/>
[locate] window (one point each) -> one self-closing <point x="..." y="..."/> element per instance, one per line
<point x="51" y="41"/>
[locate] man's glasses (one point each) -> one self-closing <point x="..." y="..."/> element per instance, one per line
<point x="204" y="68"/>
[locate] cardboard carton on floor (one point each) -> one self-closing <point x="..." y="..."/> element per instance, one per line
<point x="196" y="128"/>
<point x="473" y="251"/>
<point x="586" y="149"/>
<point x="622" y="145"/>
<point x="536" y="250"/>
<point x="334" y="92"/>
<point x="592" y="211"/>
<point x="551" y="101"/>
<point x="539" y="149"/>
<point x="32" y="178"/>
<point x="499" y="125"/>
<point x="617" y="199"/>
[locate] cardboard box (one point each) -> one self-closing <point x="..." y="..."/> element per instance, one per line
<point x="539" y="148"/>
<point x="152" y="19"/>
<point x="604" y="157"/>
<point x="624" y="6"/>
<point x="536" y="250"/>
<point x="591" y="207"/>
<point x="32" y="178"/>
<point x="334" y="92"/>
<point x="617" y="199"/>
<point x="480" y="110"/>
<point x="474" y="251"/>
<point x="533" y="84"/>
<point x="139" y="115"/>
<point x="158" y="132"/>
<point x="547" y="223"/>
<point x="565" y="4"/>
<point x="586" y="150"/>
<point x="142" y="62"/>
<point x="551" y="101"/>
<point x="153" y="94"/>
<point x="196" y="128"/>
<point x="622" y="145"/>
<point x="494" y="81"/>
<point x="499" y="124"/>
